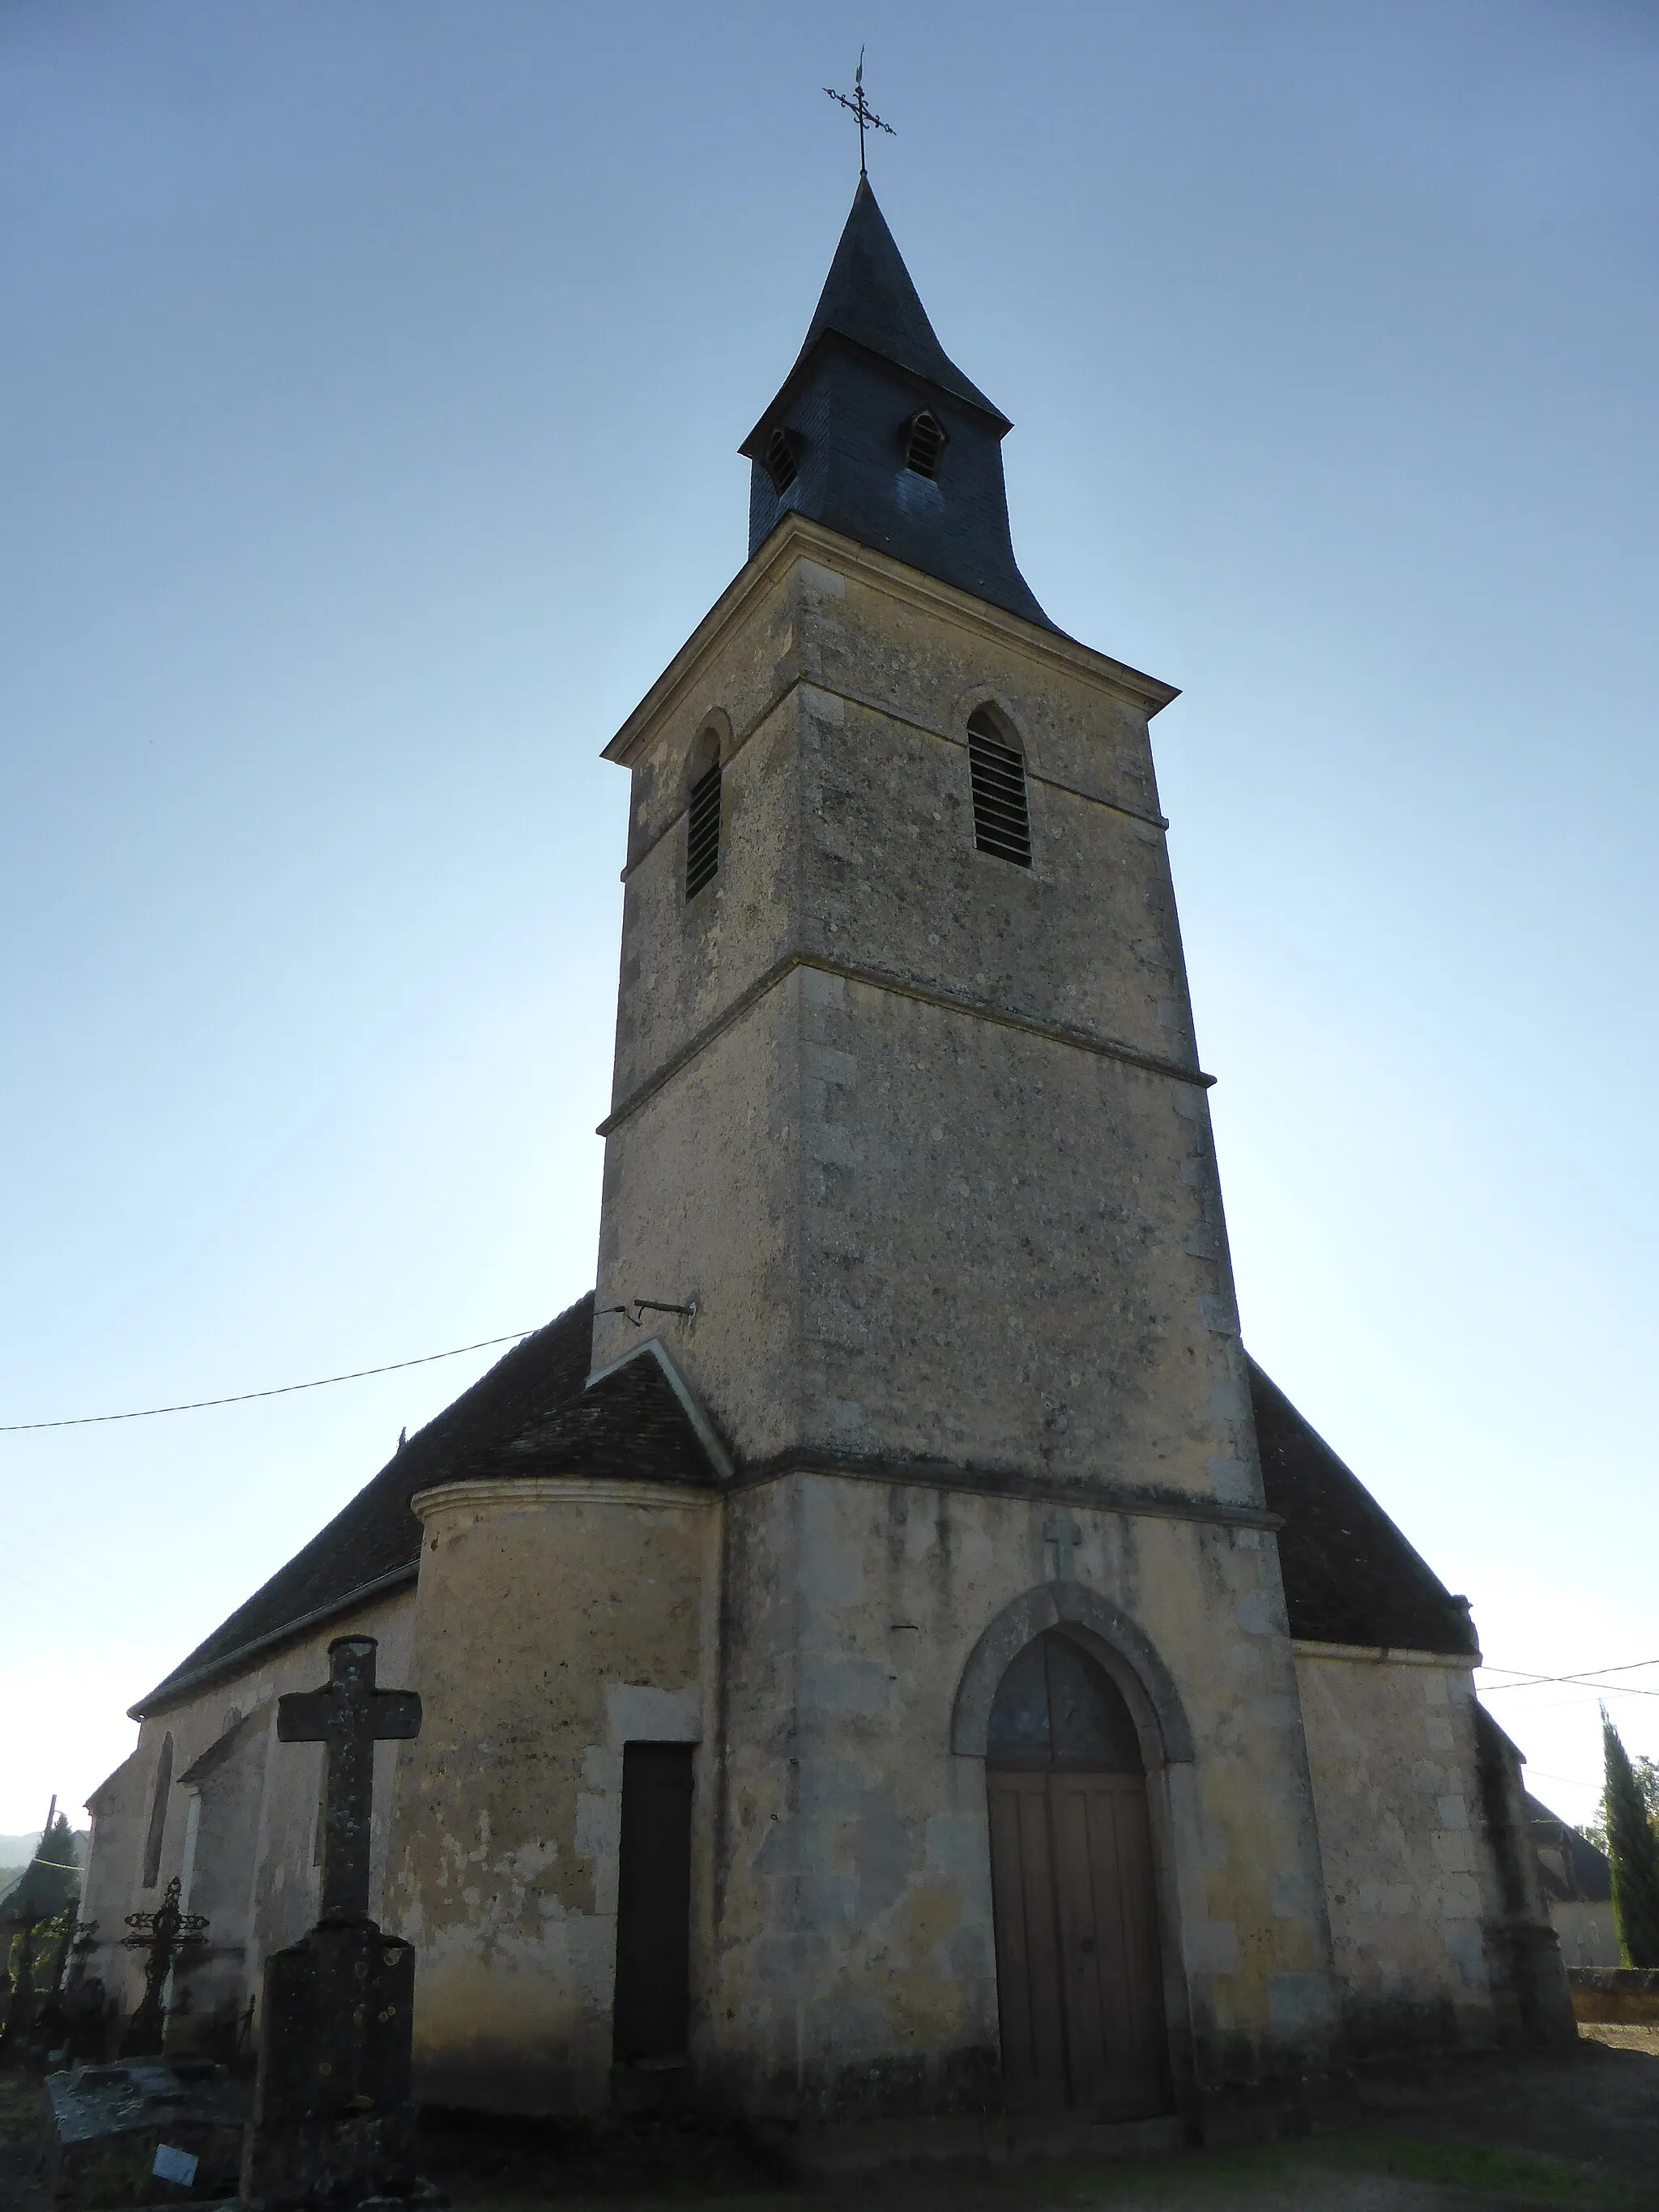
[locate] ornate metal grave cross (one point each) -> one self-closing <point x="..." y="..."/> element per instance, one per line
<point x="164" y="1935"/>
<point x="349" y="1716"/>
<point x="856" y="104"/>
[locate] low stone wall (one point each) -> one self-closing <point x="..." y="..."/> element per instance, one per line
<point x="1615" y="1993"/>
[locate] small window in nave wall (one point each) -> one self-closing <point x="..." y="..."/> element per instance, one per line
<point x="158" y="1815"/>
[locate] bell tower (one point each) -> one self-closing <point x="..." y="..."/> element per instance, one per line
<point x="906" y="1099"/>
<point x="907" y="1107"/>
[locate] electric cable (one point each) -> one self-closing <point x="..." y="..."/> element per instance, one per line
<point x="282" y="1391"/>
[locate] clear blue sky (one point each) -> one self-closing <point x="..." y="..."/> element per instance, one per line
<point x="368" y="398"/>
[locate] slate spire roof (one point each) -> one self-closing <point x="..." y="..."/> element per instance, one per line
<point x="869" y="298"/>
<point x="876" y="434"/>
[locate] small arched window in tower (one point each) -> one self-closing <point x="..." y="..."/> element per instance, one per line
<point x="1002" y="823"/>
<point x="924" y="442"/>
<point x="781" y="460"/>
<point x="158" y="1815"/>
<point x="702" y="819"/>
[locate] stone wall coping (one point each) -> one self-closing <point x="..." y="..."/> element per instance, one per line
<point x="1377" y="1654"/>
<point x="1642" y="1981"/>
<point x="509" y="1492"/>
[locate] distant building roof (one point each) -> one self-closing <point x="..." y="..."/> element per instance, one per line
<point x="1349" y="1575"/>
<point x="1572" y="1870"/>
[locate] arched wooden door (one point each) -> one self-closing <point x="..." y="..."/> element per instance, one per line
<point x="1079" y="1976"/>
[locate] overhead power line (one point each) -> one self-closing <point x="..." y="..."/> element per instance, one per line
<point x="282" y="1391"/>
<point x="1591" y="1679"/>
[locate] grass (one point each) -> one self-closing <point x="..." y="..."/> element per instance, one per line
<point x="20" y="2107"/>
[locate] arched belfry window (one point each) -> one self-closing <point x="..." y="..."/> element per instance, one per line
<point x="924" y="444"/>
<point x="782" y="459"/>
<point x="1002" y="821"/>
<point x="158" y="1815"/>
<point x="702" y="818"/>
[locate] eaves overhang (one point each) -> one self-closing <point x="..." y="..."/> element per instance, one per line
<point x="176" y="1690"/>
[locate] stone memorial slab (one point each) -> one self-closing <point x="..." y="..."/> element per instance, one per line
<point x="107" y="2128"/>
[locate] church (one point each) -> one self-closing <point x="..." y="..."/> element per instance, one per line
<point x="896" y="1673"/>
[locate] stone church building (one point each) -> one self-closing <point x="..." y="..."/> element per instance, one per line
<point x="913" y="1677"/>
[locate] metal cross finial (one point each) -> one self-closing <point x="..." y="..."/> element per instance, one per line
<point x="349" y="1716"/>
<point x="856" y="104"/>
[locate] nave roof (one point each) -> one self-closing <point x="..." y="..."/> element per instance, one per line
<point x="533" y="1413"/>
<point x="1350" y="1577"/>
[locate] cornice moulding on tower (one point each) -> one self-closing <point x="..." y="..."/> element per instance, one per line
<point x="796" y="538"/>
<point x="514" y="1492"/>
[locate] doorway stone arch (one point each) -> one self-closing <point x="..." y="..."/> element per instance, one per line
<point x="1125" y="1655"/>
<point x="1121" y="1644"/>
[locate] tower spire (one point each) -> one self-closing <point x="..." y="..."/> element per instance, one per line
<point x="877" y="433"/>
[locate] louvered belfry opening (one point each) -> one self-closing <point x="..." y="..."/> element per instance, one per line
<point x="780" y="460"/>
<point x="702" y="830"/>
<point x="923" y="445"/>
<point x="1002" y="823"/>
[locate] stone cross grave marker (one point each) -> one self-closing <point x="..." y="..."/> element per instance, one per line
<point x="333" y="2120"/>
<point x="349" y="1716"/>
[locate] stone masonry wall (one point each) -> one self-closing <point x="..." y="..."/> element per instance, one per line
<point x="249" y="1865"/>
<point x="1392" y="1750"/>
<point x="557" y="1622"/>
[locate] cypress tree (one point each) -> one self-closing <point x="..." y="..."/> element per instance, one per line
<point x="1633" y="1849"/>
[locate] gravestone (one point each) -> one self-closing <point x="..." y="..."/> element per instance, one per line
<point x="108" y="2129"/>
<point x="333" y="2120"/>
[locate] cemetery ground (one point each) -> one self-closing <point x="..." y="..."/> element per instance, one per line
<point x="1578" y="2131"/>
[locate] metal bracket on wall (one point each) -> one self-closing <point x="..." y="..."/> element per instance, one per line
<point x="636" y="1309"/>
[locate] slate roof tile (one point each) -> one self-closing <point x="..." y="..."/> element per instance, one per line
<point x="533" y="1413"/>
<point x="1350" y="1575"/>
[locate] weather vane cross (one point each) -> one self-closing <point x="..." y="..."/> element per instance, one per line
<point x="856" y="104"/>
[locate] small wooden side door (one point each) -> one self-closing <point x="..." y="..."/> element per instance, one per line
<point x="653" y="2004"/>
